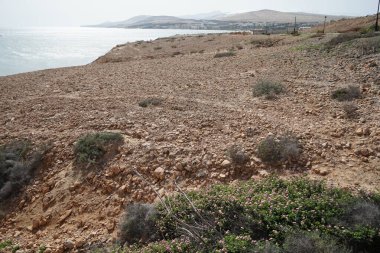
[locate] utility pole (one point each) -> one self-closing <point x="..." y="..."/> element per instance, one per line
<point x="377" y="18"/>
<point x="324" y="25"/>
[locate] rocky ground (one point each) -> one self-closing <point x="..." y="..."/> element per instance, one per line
<point x="206" y="106"/>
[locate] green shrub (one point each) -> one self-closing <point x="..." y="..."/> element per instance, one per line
<point x="267" y="88"/>
<point x="224" y="54"/>
<point x="90" y="148"/>
<point x="267" y="247"/>
<point x="242" y="217"/>
<point x="348" y="93"/>
<point x="274" y="150"/>
<point x="310" y="242"/>
<point x="138" y="225"/>
<point x="262" y="210"/>
<point x="150" y="101"/>
<point x="237" y="155"/>
<point x="5" y="244"/>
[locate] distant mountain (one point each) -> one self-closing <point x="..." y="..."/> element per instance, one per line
<point x="221" y="21"/>
<point x="205" y="16"/>
<point x="279" y="17"/>
<point x="123" y="23"/>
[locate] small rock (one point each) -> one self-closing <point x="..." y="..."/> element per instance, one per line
<point x="263" y="173"/>
<point x="159" y="173"/>
<point x="68" y="245"/>
<point x="226" y="163"/>
<point x="64" y="216"/>
<point x="222" y="175"/>
<point x="359" y="132"/>
<point x="322" y="171"/>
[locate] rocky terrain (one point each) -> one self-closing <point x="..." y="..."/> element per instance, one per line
<point x="206" y="105"/>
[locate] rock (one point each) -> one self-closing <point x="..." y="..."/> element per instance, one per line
<point x="321" y="171"/>
<point x="359" y="132"/>
<point x="222" y="175"/>
<point x="263" y="173"/>
<point x="79" y="243"/>
<point x="68" y="245"/>
<point x="64" y="216"/>
<point x="110" y="226"/>
<point x="366" y="152"/>
<point x="226" y="163"/>
<point x="159" y="173"/>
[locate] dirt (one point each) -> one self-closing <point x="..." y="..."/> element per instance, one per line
<point x="206" y="107"/>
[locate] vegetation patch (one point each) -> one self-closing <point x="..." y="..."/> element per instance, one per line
<point x="351" y="110"/>
<point x="150" y="102"/>
<point x="237" y="155"/>
<point x="304" y="241"/>
<point x="267" y="88"/>
<point x="264" y="42"/>
<point x="348" y="93"/>
<point x="369" y="45"/>
<point x="275" y="150"/>
<point x="91" y="148"/>
<point x="294" y="216"/>
<point x="18" y="161"/>
<point x="224" y="54"/>
<point x="138" y="225"/>
<point x="341" y="38"/>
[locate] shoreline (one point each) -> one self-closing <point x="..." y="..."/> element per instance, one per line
<point x="75" y="53"/>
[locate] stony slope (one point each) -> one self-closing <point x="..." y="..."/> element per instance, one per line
<point x="207" y="106"/>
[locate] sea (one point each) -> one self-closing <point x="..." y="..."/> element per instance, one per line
<point x="37" y="48"/>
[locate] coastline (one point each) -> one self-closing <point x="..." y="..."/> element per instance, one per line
<point x="66" y="46"/>
<point x="206" y="106"/>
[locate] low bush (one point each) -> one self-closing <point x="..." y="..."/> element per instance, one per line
<point x="369" y="45"/>
<point x="176" y="54"/>
<point x="348" y="93"/>
<point x="343" y="37"/>
<point x="18" y="161"/>
<point x="237" y="155"/>
<point x="91" y="148"/>
<point x="309" y="242"/>
<point x="150" y="101"/>
<point x="264" y="42"/>
<point x="275" y="150"/>
<point x="138" y="225"/>
<point x="224" y="54"/>
<point x="269" y="89"/>
<point x="361" y="213"/>
<point x="350" y="110"/>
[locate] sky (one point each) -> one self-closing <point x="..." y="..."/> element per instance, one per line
<point x="19" y="13"/>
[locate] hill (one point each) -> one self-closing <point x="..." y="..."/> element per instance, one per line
<point x="217" y="20"/>
<point x="349" y="25"/>
<point x="279" y="17"/>
<point x="185" y="112"/>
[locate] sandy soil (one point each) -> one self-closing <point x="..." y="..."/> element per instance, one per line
<point x="207" y="106"/>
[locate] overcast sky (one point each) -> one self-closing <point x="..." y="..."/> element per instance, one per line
<point x="82" y="12"/>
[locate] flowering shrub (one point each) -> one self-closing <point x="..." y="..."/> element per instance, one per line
<point x="240" y="218"/>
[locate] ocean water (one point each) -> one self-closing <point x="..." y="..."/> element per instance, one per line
<point x="30" y="49"/>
